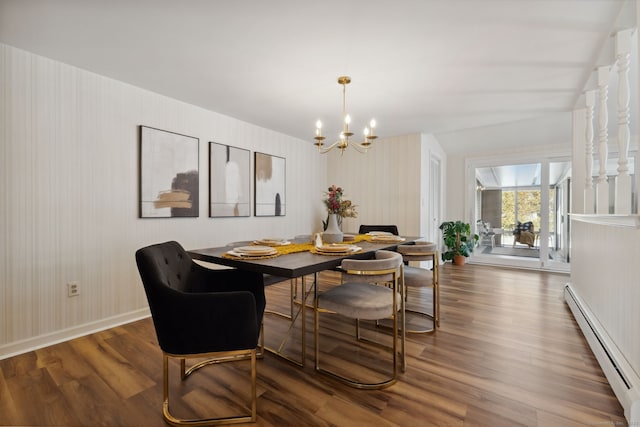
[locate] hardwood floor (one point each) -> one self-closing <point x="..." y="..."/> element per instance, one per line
<point x="508" y="353"/>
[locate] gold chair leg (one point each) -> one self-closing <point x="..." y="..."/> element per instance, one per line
<point x="358" y="384"/>
<point x="216" y="358"/>
<point x="434" y="316"/>
<point x="435" y="313"/>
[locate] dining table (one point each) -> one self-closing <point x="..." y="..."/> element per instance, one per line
<point x="298" y="259"/>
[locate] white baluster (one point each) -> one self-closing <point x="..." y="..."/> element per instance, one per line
<point x="602" y="186"/>
<point x="590" y="97"/>
<point x="623" y="180"/>
<point x="578" y="141"/>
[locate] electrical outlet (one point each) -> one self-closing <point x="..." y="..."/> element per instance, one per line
<point x="73" y="289"/>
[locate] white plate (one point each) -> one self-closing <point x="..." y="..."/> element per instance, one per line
<point x="334" y="248"/>
<point x="379" y="233"/>
<point x="391" y="238"/>
<point x="255" y="250"/>
<point x="338" y="249"/>
<point x="272" y="242"/>
<point x="246" y="255"/>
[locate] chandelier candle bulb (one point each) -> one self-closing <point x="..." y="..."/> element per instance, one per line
<point x="343" y="141"/>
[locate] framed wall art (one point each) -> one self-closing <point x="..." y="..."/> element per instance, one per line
<point x="270" y="179"/>
<point x="169" y="185"/>
<point x="229" y="181"/>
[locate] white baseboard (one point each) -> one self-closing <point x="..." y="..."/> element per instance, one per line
<point x="621" y="376"/>
<point x="24" y="346"/>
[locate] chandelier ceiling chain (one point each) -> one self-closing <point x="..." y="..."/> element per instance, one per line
<point x="343" y="139"/>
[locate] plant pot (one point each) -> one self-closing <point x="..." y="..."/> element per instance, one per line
<point x="459" y="259"/>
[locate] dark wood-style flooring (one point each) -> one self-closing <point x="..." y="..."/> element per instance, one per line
<point x="508" y="353"/>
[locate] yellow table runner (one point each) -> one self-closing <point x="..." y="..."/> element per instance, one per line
<point x="297" y="247"/>
<point x="308" y="246"/>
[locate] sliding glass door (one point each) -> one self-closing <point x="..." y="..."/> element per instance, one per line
<point x="521" y="213"/>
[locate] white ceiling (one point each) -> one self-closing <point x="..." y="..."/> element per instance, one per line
<point x="478" y="74"/>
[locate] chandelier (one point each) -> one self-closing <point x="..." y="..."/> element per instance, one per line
<point x="343" y="140"/>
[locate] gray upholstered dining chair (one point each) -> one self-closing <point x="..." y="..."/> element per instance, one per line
<point x="363" y="295"/>
<point x="200" y="313"/>
<point x="420" y="278"/>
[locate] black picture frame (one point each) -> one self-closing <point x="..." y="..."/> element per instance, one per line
<point x="270" y="173"/>
<point x="169" y="174"/>
<point x="229" y="181"/>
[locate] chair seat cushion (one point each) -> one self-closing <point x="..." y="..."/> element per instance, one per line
<point x="359" y="301"/>
<point x="416" y="277"/>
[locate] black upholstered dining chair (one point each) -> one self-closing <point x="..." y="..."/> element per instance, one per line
<point x="364" y="229"/>
<point x="201" y="313"/>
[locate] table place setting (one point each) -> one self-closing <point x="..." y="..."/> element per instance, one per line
<point x="272" y="241"/>
<point x="252" y="252"/>
<point x="384" y="237"/>
<point x="336" y="249"/>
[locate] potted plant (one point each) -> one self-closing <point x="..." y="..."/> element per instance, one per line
<point x="459" y="241"/>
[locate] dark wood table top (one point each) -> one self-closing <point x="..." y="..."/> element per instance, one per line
<point x="292" y="265"/>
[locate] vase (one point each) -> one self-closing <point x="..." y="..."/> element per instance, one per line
<point x="332" y="234"/>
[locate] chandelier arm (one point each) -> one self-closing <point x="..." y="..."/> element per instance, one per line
<point x="344" y="142"/>
<point x="360" y="147"/>
<point x="329" y="148"/>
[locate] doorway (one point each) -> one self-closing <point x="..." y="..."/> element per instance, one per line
<point x="521" y="213"/>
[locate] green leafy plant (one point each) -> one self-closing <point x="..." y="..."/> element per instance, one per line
<point x="458" y="239"/>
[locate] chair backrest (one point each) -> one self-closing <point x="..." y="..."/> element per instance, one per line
<point x="164" y="264"/>
<point x="383" y="268"/>
<point x="483" y="227"/>
<point x="192" y="307"/>
<point x="526" y="226"/>
<point x="364" y="229"/>
<point x="420" y="251"/>
<point x="164" y="269"/>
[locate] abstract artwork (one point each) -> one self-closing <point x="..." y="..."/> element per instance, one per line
<point x="269" y="177"/>
<point x="229" y="181"/>
<point x="169" y="184"/>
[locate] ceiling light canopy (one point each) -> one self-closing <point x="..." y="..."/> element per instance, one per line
<point x="343" y="139"/>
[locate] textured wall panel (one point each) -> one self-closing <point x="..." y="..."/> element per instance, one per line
<point x="385" y="182"/>
<point x="69" y="170"/>
<point x="604" y="273"/>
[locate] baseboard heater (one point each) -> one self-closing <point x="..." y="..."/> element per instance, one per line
<point x="623" y="380"/>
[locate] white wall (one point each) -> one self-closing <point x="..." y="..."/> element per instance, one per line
<point x="605" y="275"/>
<point x="69" y="195"/>
<point x="388" y="183"/>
